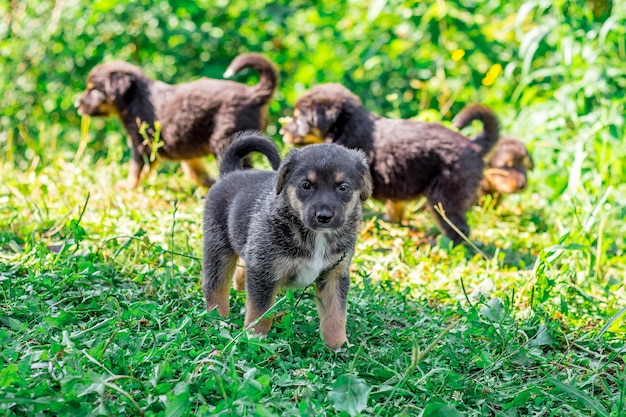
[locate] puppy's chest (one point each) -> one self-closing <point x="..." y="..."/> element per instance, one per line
<point x="306" y="270"/>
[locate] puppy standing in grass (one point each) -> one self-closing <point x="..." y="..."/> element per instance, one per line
<point x="407" y="158"/>
<point x="197" y="118"/>
<point x="292" y="228"/>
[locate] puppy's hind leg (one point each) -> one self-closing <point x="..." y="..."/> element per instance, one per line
<point x="138" y="170"/>
<point x="195" y="170"/>
<point x="456" y="201"/>
<point x="395" y="211"/>
<point x="331" y="298"/>
<point x="240" y="276"/>
<point x="217" y="271"/>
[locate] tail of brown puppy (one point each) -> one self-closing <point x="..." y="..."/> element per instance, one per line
<point x="268" y="77"/>
<point x="244" y="144"/>
<point x="491" y="131"/>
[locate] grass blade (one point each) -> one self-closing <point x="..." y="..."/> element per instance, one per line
<point x="581" y="396"/>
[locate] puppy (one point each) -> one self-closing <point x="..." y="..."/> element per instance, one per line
<point x="406" y="158"/>
<point x="506" y="169"/>
<point x="292" y="228"/>
<point x="195" y="119"/>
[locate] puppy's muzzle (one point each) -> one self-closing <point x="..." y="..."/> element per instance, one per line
<point x="78" y="105"/>
<point x="324" y="217"/>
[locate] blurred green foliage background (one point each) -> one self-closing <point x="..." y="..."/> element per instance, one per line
<point x="544" y="66"/>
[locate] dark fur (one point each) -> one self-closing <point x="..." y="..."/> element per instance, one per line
<point x="289" y="227"/>
<point x="407" y="158"/>
<point x="197" y="118"/>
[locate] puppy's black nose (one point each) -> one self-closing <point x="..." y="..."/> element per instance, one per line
<point x="324" y="215"/>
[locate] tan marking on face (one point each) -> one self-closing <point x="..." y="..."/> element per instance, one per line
<point x="331" y="311"/>
<point x="294" y="201"/>
<point x="312" y="176"/>
<point x="339" y="177"/>
<point x="395" y="210"/>
<point x="107" y="109"/>
<point x="350" y="206"/>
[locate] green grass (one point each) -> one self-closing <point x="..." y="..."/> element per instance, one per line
<point x="101" y="311"/>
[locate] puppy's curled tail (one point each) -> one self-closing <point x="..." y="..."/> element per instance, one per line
<point x="242" y="145"/>
<point x="268" y="77"/>
<point x="491" y="130"/>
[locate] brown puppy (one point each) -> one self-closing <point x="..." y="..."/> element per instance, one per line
<point x="406" y="158"/>
<point x="506" y="169"/>
<point x="195" y="119"/>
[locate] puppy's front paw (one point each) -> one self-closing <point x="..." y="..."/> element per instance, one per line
<point x="261" y="328"/>
<point x="334" y="338"/>
<point x="337" y="344"/>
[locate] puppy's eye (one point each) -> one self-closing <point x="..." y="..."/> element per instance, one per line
<point x="306" y="185"/>
<point x="343" y="188"/>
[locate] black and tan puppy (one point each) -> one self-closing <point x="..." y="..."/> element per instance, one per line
<point x="292" y="228"/>
<point x="507" y="168"/>
<point x="406" y="158"/>
<point x="196" y="119"/>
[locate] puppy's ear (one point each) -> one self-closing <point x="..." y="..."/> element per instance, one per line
<point x="285" y="170"/>
<point x="118" y="84"/>
<point x="364" y="170"/>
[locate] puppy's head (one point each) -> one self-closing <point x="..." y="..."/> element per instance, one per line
<point x="506" y="170"/>
<point x="108" y="87"/>
<point x="316" y="113"/>
<point x="324" y="184"/>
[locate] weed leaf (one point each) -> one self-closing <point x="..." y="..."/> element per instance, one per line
<point x="493" y="310"/>
<point x="542" y="338"/>
<point x="581" y="396"/>
<point x="350" y="394"/>
<point x="609" y="323"/>
<point x="179" y="406"/>
<point x="440" y="409"/>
